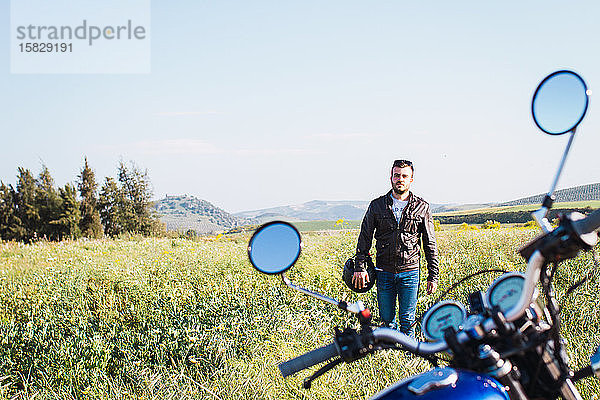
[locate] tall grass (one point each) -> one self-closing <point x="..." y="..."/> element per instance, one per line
<point x="173" y="318"/>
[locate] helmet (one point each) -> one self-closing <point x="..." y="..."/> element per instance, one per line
<point x="349" y="271"/>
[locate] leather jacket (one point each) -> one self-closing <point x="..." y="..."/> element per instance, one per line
<point x="397" y="242"/>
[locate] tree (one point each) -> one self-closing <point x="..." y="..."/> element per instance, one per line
<point x="125" y="203"/>
<point x="48" y="205"/>
<point x="27" y="211"/>
<point x="110" y="206"/>
<point x="137" y="193"/>
<point x="11" y="227"/>
<point x="90" y="224"/>
<point x="68" y="221"/>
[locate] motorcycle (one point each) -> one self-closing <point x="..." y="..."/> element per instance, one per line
<point x="506" y="344"/>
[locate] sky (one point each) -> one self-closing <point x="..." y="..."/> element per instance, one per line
<point x="255" y="104"/>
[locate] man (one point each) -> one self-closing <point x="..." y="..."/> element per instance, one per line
<point x="399" y="220"/>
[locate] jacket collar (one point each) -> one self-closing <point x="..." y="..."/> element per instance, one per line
<point x="388" y="198"/>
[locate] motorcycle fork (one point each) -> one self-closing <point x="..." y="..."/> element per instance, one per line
<point x="567" y="390"/>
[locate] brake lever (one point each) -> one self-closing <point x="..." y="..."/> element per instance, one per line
<point x="306" y="384"/>
<point x="326" y="368"/>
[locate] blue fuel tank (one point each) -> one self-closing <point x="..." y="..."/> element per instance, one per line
<point x="445" y="384"/>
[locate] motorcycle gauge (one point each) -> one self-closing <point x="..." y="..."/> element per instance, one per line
<point x="442" y="316"/>
<point x="505" y="291"/>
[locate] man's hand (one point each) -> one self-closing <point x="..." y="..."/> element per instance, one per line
<point x="431" y="286"/>
<point x="360" y="279"/>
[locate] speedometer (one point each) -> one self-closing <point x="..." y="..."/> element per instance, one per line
<point x="442" y="316"/>
<point x="505" y="291"/>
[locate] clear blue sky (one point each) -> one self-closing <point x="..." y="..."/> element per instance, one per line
<point x="265" y="103"/>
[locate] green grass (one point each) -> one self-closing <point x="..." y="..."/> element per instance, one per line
<point x="172" y="318"/>
<point x="530" y="207"/>
<point x="311" y="226"/>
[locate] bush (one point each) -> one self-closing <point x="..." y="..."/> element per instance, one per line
<point x="466" y="227"/>
<point x="489" y="224"/>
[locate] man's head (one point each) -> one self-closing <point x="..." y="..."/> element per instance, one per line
<point x="402" y="176"/>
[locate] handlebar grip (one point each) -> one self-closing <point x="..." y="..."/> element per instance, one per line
<point x="307" y="360"/>
<point x="588" y="224"/>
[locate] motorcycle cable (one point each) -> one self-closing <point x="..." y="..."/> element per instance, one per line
<point x="306" y="384"/>
<point x="554" y="309"/>
<point x="433" y="359"/>
<point x="534" y="381"/>
<point x="574" y="286"/>
<point x="456" y="284"/>
<point x="586" y="371"/>
<point x="591" y="272"/>
<point x="354" y="345"/>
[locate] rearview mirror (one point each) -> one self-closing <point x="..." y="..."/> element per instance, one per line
<point x="560" y="102"/>
<point x="274" y="247"/>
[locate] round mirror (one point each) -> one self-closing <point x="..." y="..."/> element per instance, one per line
<point x="560" y="102"/>
<point x="274" y="247"/>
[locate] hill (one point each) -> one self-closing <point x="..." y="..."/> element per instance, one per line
<point x="188" y="212"/>
<point x="512" y="214"/>
<point x="310" y="211"/>
<point x="181" y="213"/>
<point x="579" y="198"/>
<point x="576" y="193"/>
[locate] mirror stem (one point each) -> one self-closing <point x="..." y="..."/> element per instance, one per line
<point x="562" y="162"/>
<point x="308" y="292"/>
<point x="540" y="215"/>
<point x="353" y="308"/>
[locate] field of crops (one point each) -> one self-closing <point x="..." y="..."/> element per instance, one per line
<point x="529" y="208"/>
<point x="172" y="318"/>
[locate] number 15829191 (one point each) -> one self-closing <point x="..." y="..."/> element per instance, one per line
<point x="46" y="47"/>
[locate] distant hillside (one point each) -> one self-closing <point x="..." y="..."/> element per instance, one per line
<point x="315" y="210"/>
<point x="188" y="212"/>
<point x="513" y="214"/>
<point x="579" y="198"/>
<point x="577" y="193"/>
<point x="182" y="213"/>
<point x="311" y="211"/>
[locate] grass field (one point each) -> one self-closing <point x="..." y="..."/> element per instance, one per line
<point x="310" y="226"/>
<point x="314" y="226"/>
<point x="177" y="319"/>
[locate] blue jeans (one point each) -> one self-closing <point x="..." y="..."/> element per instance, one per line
<point x="404" y="286"/>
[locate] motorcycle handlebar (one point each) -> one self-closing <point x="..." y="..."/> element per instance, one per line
<point x="317" y="356"/>
<point x="309" y="359"/>
<point x="407" y="342"/>
<point x="417" y="347"/>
